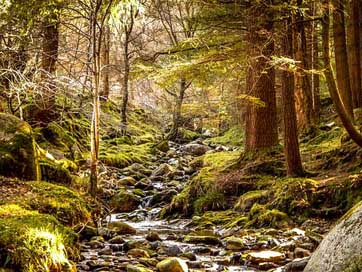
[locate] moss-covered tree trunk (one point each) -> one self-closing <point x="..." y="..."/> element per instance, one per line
<point x="105" y="62"/>
<point x="261" y="121"/>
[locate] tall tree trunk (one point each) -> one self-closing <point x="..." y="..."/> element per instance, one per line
<point x="177" y="113"/>
<point x="261" y="122"/>
<point x="340" y="49"/>
<point x="125" y="86"/>
<point x="315" y="79"/>
<point x="291" y="144"/>
<point x="332" y="86"/>
<point x="46" y="101"/>
<point x="105" y="62"/>
<point x="303" y="90"/>
<point x="354" y="51"/>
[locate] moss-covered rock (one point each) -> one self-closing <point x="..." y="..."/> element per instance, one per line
<point x="18" y="156"/>
<point x="32" y="242"/>
<point x="125" y="201"/>
<point x="247" y="200"/>
<point x="121" y="228"/>
<point x="259" y="217"/>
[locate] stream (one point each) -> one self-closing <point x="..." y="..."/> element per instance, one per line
<point x="151" y="240"/>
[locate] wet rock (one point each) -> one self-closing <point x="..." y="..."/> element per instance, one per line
<point x="172" y="265"/>
<point x="138" y="253"/>
<point x="267" y="266"/>
<point x="163" y="146"/>
<point x="189" y="255"/>
<point x="144" y="184"/>
<point x="234" y="243"/>
<point x="207" y="240"/>
<point x="196" y="149"/>
<point x="133" y="244"/>
<point x="201" y="250"/>
<point x="301" y="253"/>
<point x="341" y="249"/>
<point x="95" y="244"/>
<point x="122" y="228"/>
<point x="195" y="265"/>
<point x="127" y="181"/>
<point x="134" y="268"/>
<point x="87" y="232"/>
<point x="162" y="197"/>
<point x="296" y="265"/>
<point x="105" y="251"/>
<point x="125" y="201"/>
<point x="162" y="170"/>
<point x="116" y="240"/>
<point x="265" y="256"/>
<point x="153" y="236"/>
<point x="170" y="250"/>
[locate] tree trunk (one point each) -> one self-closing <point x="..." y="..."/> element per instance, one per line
<point x="303" y="90"/>
<point x="315" y="65"/>
<point x="332" y="86"/>
<point x="340" y="49"/>
<point x="261" y="122"/>
<point x="291" y="144"/>
<point x="125" y="86"/>
<point x="177" y="114"/>
<point x="105" y="62"/>
<point x="354" y="52"/>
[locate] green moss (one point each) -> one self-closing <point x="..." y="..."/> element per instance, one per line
<point x="64" y="204"/>
<point x="247" y="200"/>
<point x="354" y="265"/>
<point x="124" y="155"/>
<point x="209" y="202"/>
<point x="233" y="137"/>
<point x="260" y="216"/>
<point x="187" y="135"/>
<point x="33" y="242"/>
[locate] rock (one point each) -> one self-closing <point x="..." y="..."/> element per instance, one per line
<point x="133" y="268"/>
<point x="105" y="251"/>
<point x="117" y="240"/>
<point x="170" y="250"/>
<point x="138" y="253"/>
<point x="87" y="232"/>
<point x="162" y="170"/>
<point x="163" y="146"/>
<point x="122" y="228"/>
<point x="17" y="153"/>
<point x="296" y="265"/>
<point x="125" y="201"/>
<point x="133" y="244"/>
<point x="127" y="181"/>
<point x="301" y="253"/>
<point x="95" y="244"/>
<point x="265" y="256"/>
<point x="153" y="236"/>
<point x="164" y="196"/>
<point x="267" y="265"/>
<point x="341" y="249"/>
<point x="208" y="240"/>
<point x="196" y="149"/>
<point x="189" y="255"/>
<point x="172" y="265"/>
<point x="234" y="243"/>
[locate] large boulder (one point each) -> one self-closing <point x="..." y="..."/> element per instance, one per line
<point x="17" y="148"/>
<point x="196" y="149"/>
<point x="125" y="201"/>
<point x="341" y="249"/>
<point x="172" y="265"/>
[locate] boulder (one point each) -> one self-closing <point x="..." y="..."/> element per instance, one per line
<point x="138" y="253"/>
<point x="265" y="256"/>
<point x="127" y="181"/>
<point x="134" y="268"/>
<point x="341" y="249"/>
<point x="125" y="201"/>
<point x="122" y="228"/>
<point x="196" y="149"/>
<point x="234" y="243"/>
<point x="163" y="146"/>
<point x="172" y="265"/>
<point x="207" y="240"/>
<point x="162" y="170"/>
<point x="17" y="149"/>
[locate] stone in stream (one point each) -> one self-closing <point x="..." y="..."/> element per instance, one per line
<point x="153" y="236"/>
<point x="134" y="268"/>
<point x="234" y="243"/>
<point x="170" y="250"/>
<point x="122" y="228"/>
<point x="127" y="181"/>
<point x="207" y="240"/>
<point x="195" y="149"/>
<point x="125" y="201"/>
<point x="162" y="170"/>
<point x="265" y="256"/>
<point x="138" y="253"/>
<point x="117" y="240"/>
<point x="172" y="265"/>
<point x="341" y="249"/>
<point x="297" y="265"/>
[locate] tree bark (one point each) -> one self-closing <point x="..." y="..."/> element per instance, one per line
<point x="105" y="62"/>
<point x="340" y="49"/>
<point x="332" y="86"/>
<point x="261" y="122"/>
<point x="354" y="51"/>
<point x="177" y="114"/>
<point x="291" y="144"/>
<point x="125" y="86"/>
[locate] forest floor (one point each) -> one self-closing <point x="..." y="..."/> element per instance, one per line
<point x="159" y="200"/>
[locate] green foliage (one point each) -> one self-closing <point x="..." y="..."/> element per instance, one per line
<point x="34" y="242"/>
<point x="233" y="137"/>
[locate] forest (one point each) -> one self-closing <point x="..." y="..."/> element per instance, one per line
<point x="181" y="135"/>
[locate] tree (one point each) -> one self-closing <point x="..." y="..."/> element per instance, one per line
<point x="261" y="129"/>
<point x="332" y="85"/>
<point x="340" y="49"/>
<point x="291" y="144"/>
